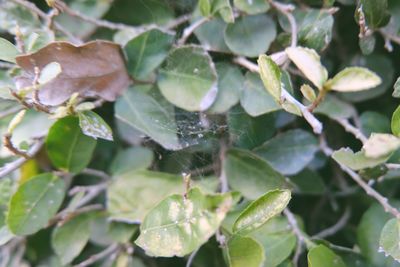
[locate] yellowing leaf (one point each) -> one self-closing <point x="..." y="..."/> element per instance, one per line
<point x="379" y="145"/>
<point x="309" y="63"/>
<point x="354" y="79"/>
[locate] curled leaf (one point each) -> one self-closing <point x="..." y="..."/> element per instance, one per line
<point x="95" y="69"/>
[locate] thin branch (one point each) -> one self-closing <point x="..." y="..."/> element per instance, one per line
<point x="353" y="130"/>
<point x="189" y="30"/>
<point x="103" y="254"/>
<point x="191" y="257"/>
<point x="336" y="227"/>
<point x="96" y="173"/>
<point x="92" y="191"/>
<point x="389" y="38"/>
<point x="308" y="116"/>
<point x="287" y="9"/>
<point x="357" y="178"/>
<point x="12" y="166"/>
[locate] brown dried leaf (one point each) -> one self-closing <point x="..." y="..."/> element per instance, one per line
<point x="95" y="69"/>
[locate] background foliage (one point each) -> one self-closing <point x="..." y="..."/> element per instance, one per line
<point x="199" y="133"/>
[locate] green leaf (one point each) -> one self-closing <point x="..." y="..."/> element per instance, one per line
<point x="249" y="132"/>
<point x="374" y="122"/>
<point x="178" y="225"/>
<point x="130" y="159"/>
<point x="230" y="84"/>
<point x="69" y="239"/>
<point x="250" y="36"/>
<point x="35" y="203"/>
<point x="250" y="175"/>
<point x="68" y="148"/>
<point x="211" y="35"/>
<point x="132" y="194"/>
<point x="270" y="75"/>
<point x="396" y="92"/>
<point x="245" y="252"/>
<point x="205" y="7"/>
<point x="357" y="161"/>
<point x="396" y="122"/>
<point x="309" y="63"/>
<point x="289" y="152"/>
<point x="308" y="182"/>
<point x="368" y="235"/>
<point x="389" y="242"/>
<point x="375" y="12"/>
<point x="252" y="7"/>
<point x="335" y="108"/>
<point x="322" y="256"/>
<point x="189" y="84"/>
<point x="144" y="113"/>
<point x="278" y="240"/>
<point x="261" y="210"/>
<point x="94" y="126"/>
<point x="353" y="79"/>
<point x="380" y="145"/>
<point x="255" y="99"/>
<point x="224" y="9"/>
<point x="8" y="51"/>
<point x="146" y="52"/>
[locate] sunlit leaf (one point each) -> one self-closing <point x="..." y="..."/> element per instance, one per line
<point x="323" y="256"/>
<point x="354" y="79"/>
<point x="245" y="252"/>
<point x="358" y="160"/>
<point x="380" y="145"/>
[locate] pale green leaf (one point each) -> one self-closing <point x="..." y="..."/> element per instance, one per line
<point x="67" y="147"/>
<point x="396" y="87"/>
<point x="146" y="52"/>
<point x="335" y="108"/>
<point x="379" y="145"/>
<point x="322" y="256"/>
<point x="395" y="125"/>
<point x="211" y="35"/>
<point x="142" y="112"/>
<point x="133" y="158"/>
<point x="189" y="84"/>
<point x="357" y="161"/>
<point x="94" y="126"/>
<point x="250" y="36"/>
<point x="270" y="75"/>
<point x="35" y="203"/>
<point x="353" y="79"/>
<point x="389" y="241"/>
<point x="245" y="252"/>
<point x="252" y="7"/>
<point x="308" y="92"/>
<point x="8" y="51"/>
<point x="309" y="63"/>
<point x="69" y="239"/>
<point x="178" y="225"/>
<point x="251" y="175"/>
<point x="261" y="210"/>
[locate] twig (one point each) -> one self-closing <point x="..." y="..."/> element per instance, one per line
<point x="191" y="257"/>
<point x="388" y="39"/>
<point x="12" y="166"/>
<point x="368" y="189"/>
<point x="287" y="9"/>
<point x="336" y="227"/>
<point x="353" y="130"/>
<point x="189" y="30"/>
<point x="12" y="148"/>
<point x="310" y="118"/>
<point x="96" y="257"/>
<point x="222" y="176"/>
<point x="33" y="8"/>
<point x="65" y="215"/>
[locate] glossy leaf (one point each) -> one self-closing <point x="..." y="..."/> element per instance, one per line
<point x="144" y="113"/>
<point x="69" y="239"/>
<point x="146" y="52"/>
<point x="289" y="152"/>
<point x="189" y="84"/>
<point x="323" y="256"/>
<point x="35" y="203"/>
<point x="85" y="70"/>
<point x="178" y="225"/>
<point x="354" y="79"/>
<point x="245" y="251"/>
<point x="251" y="175"/>
<point x="8" y="51"/>
<point x="94" y="126"/>
<point x="250" y="36"/>
<point x="309" y="63"/>
<point x="358" y="160"/>
<point x="270" y="75"/>
<point x="261" y="210"/>
<point x="68" y="148"/>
